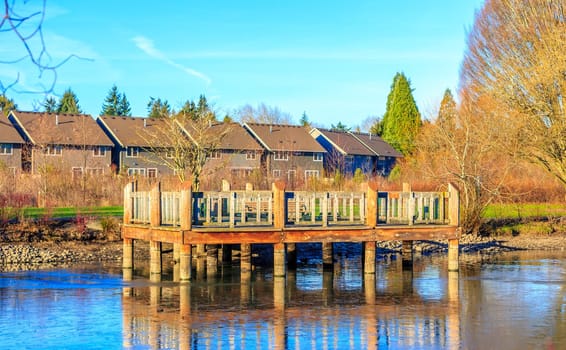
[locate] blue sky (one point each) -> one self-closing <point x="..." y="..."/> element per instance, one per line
<point x="334" y="60"/>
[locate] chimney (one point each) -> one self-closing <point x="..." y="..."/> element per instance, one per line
<point x="270" y="129"/>
<point x="56" y="119"/>
<point x="144" y="122"/>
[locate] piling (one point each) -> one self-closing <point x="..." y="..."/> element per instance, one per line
<point x="155" y="260"/>
<point x="279" y="263"/>
<point x="245" y="258"/>
<point x="407" y="254"/>
<point x="327" y="255"/>
<point x="185" y="262"/>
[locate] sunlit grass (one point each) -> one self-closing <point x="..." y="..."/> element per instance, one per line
<point x="524" y="210"/>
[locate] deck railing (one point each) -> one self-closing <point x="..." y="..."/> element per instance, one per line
<point x="293" y="208"/>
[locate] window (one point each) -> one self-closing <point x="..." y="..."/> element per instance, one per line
<point x="311" y="173"/>
<point x="276" y="173"/>
<point x="215" y="155"/>
<point x="152" y="172"/>
<point x="6" y="148"/>
<point x="291" y="174"/>
<point x="95" y="171"/>
<point x="170" y="154"/>
<point x="250" y="155"/>
<point x="281" y="155"/>
<point x="317" y="157"/>
<point x="136" y="171"/>
<point x="77" y="172"/>
<point x="53" y="150"/>
<point x="133" y="152"/>
<point x="99" y="151"/>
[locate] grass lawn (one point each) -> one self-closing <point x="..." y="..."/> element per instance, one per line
<point x="524" y="210"/>
<point x="69" y="212"/>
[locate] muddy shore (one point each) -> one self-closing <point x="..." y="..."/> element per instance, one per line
<point x="23" y="248"/>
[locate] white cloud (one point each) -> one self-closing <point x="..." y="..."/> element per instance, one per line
<point x="146" y="45"/>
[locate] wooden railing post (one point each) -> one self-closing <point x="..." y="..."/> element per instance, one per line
<point x="410" y="203"/>
<point x="155" y="205"/>
<point x="128" y="189"/>
<point x="371" y="207"/>
<point x="186" y="206"/>
<point x="324" y="209"/>
<point x="279" y="207"/>
<point x="453" y="205"/>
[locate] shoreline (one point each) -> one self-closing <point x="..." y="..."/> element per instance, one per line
<point x="21" y="256"/>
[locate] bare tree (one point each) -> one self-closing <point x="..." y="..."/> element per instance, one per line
<point x="263" y="114"/>
<point x="21" y="29"/>
<point x="183" y="145"/>
<point x="516" y="57"/>
<point x="472" y="153"/>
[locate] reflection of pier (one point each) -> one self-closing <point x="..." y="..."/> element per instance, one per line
<point x="211" y="221"/>
<point x="281" y="314"/>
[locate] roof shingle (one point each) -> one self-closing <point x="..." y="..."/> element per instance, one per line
<point x="284" y="138"/>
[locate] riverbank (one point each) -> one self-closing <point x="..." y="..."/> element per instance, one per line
<point x="65" y="242"/>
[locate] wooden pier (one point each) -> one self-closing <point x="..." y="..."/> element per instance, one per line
<point x="284" y="218"/>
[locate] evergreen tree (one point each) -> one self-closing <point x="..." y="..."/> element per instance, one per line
<point x="116" y="103"/>
<point x="124" y="106"/>
<point x="50" y="105"/>
<point x="339" y="127"/>
<point x="156" y="108"/>
<point x="402" y="120"/>
<point x="447" y="113"/>
<point x="195" y="111"/>
<point x="7" y="104"/>
<point x="69" y="103"/>
<point x="111" y="102"/>
<point x="304" y="120"/>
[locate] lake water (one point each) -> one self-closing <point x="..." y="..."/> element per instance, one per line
<point x="511" y="301"/>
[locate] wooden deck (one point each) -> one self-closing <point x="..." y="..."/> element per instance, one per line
<point x="283" y="218"/>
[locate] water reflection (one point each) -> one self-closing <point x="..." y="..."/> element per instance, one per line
<point x="512" y="301"/>
<point x="311" y="308"/>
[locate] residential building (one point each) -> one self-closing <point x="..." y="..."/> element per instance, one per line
<point x="236" y="154"/>
<point x="348" y="151"/>
<point x="137" y="142"/>
<point x="11" y="144"/>
<point x="291" y="153"/>
<point x="62" y="143"/>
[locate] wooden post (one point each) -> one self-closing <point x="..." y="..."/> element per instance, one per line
<point x="245" y="258"/>
<point x="327" y="255"/>
<point x="128" y="254"/>
<point x="155" y="260"/>
<point x="324" y="209"/>
<point x="369" y="257"/>
<point x="279" y="260"/>
<point x="407" y="254"/>
<point x="453" y="205"/>
<point x="155" y="205"/>
<point x="128" y="189"/>
<point x="186" y="206"/>
<point x="453" y="254"/>
<point x="371" y="207"/>
<point x="211" y="259"/>
<point x="410" y="203"/>
<point x="185" y="262"/>
<point x="279" y="210"/>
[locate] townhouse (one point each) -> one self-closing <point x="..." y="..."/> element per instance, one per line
<point x="11" y="145"/>
<point x="291" y="153"/>
<point x="62" y="143"/>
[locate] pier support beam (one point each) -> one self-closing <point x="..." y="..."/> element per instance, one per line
<point x="155" y="260"/>
<point x="279" y="263"/>
<point x="291" y="256"/>
<point x="407" y="254"/>
<point x="453" y="254"/>
<point x="185" y="262"/>
<point x="245" y="258"/>
<point x="369" y="257"/>
<point x="128" y="254"/>
<point x="327" y="255"/>
<point x="211" y="259"/>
